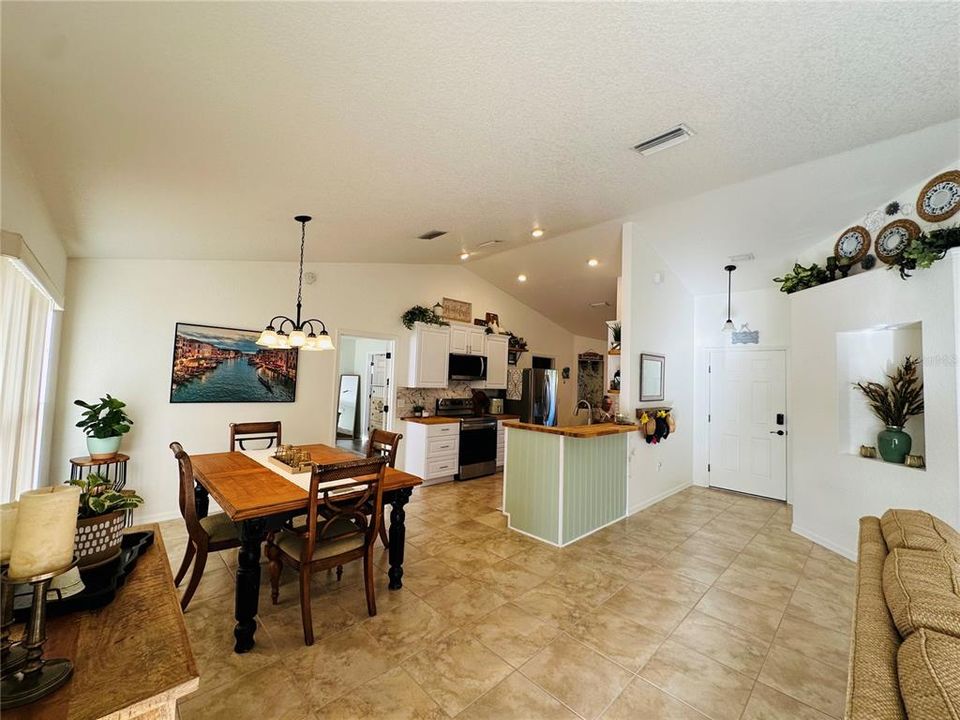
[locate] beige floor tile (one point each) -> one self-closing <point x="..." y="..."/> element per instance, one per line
<point x="830" y="611"/>
<point x="508" y="579"/>
<point x="702" y="548"/>
<point x="766" y="570"/>
<point x="591" y="587"/>
<point x="775" y="555"/>
<point x="816" y="684"/>
<point x="517" y="697"/>
<point x="334" y="665"/>
<point x="494" y="518"/>
<point x="513" y="634"/>
<point x="427" y="575"/>
<point x="286" y="627"/>
<point x="268" y="692"/>
<point x="407" y="629"/>
<point x="735" y="648"/>
<point x="580" y="678"/>
<point x="817" y="643"/>
<point x="551" y="604"/>
<point x="768" y="704"/>
<point x="457" y="670"/>
<point x="471" y="530"/>
<point x="464" y="600"/>
<point x="712" y="688"/>
<point x="662" y="583"/>
<point x="656" y="613"/>
<point x="217" y="580"/>
<point x="756" y="619"/>
<point x="642" y="701"/>
<point x="353" y="599"/>
<point x="542" y="560"/>
<point x="627" y="643"/>
<point x="507" y="543"/>
<point x="391" y="696"/>
<point x="691" y="566"/>
<point x="753" y="587"/>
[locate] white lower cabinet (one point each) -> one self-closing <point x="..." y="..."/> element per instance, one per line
<point x="432" y="450"/>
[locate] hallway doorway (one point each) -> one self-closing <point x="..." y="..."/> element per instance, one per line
<point x="365" y="388"/>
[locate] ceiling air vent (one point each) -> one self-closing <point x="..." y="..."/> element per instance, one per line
<point x="488" y="243"/>
<point x="432" y="234"/>
<point x="745" y="257"/>
<point x="601" y="304"/>
<point x="672" y="137"/>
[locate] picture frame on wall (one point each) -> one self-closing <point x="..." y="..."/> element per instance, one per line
<point x="213" y="364"/>
<point x="652" y="367"/>
<point x="493" y="319"/>
<point x="457" y="310"/>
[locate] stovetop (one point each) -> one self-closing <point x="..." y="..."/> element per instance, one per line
<point x="455" y="407"/>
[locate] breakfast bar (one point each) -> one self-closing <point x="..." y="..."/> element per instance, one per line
<point x="562" y="483"/>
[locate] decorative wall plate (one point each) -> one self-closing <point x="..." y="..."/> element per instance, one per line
<point x="894" y="239"/>
<point x="940" y="198"/>
<point x="852" y="244"/>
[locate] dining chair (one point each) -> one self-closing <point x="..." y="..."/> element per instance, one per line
<point x="345" y="503"/>
<point x="250" y="431"/>
<point x="204" y="535"/>
<point x="384" y="444"/>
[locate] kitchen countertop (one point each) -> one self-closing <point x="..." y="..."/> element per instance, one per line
<point x="576" y="431"/>
<point x="441" y="420"/>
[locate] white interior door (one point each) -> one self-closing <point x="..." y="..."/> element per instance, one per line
<point x="379" y="391"/>
<point x="748" y="443"/>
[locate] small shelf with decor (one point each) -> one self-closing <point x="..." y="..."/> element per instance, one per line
<point x="612" y="370"/>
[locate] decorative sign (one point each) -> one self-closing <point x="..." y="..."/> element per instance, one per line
<point x="745" y="336"/>
<point x="457" y="310"/>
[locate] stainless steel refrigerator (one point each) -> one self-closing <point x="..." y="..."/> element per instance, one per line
<point x="538" y="401"/>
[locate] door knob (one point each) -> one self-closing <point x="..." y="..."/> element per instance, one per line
<point x="777" y="432"/>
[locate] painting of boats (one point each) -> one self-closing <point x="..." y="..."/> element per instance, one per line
<point x="225" y="365"/>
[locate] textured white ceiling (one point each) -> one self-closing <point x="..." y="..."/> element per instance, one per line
<point x="196" y="130"/>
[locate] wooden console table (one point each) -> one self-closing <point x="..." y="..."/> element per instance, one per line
<point x="132" y="659"/>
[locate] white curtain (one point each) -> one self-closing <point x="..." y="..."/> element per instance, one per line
<point x="25" y="321"/>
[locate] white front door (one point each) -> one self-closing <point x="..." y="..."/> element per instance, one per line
<point x="748" y="443"/>
<point x="379" y="391"/>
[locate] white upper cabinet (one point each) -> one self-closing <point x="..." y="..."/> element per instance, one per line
<point x="475" y="340"/>
<point x="467" y="339"/>
<point x="429" y="356"/>
<point x="496" y="349"/>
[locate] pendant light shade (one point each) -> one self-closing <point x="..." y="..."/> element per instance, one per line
<point x="728" y="325"/>
<point x="282" y="332"/>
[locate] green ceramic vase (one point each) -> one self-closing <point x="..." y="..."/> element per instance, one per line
<point x="893" y="444"/>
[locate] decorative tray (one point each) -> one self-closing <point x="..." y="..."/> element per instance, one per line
<point x="296" y="469"/>
<point x="101" y="582"/>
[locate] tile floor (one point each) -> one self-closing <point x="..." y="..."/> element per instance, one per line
<point x="702" y="606"/>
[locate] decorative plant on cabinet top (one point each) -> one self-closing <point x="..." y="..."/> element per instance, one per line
<point x="419" y="313"/>
<point x="894" y="403"/>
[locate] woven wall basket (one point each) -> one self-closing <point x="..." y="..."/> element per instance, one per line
<point x="98" y="539"/>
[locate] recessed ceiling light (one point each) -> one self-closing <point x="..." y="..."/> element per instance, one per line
<point x="521" y="278"/>
<point x="593" y="262"/>
<point x="537" y="233"/>
<point x="464" y="256"/>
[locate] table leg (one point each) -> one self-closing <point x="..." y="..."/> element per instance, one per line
<point x="252" y="533"/>
<point x="201" y="499"/>
<point x="398" y="532"/>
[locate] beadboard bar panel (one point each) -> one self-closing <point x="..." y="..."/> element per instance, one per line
<point x="533" y="503"/>
<point x="594" y="483"/>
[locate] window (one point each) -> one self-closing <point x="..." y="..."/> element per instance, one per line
<point x="26" y="330"/>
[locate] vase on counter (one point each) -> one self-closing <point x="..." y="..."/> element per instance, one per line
<point x="893" y="444"/>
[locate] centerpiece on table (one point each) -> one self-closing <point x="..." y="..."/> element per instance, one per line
<point x="104" y="423"/>
<point x="895" y="402"/>
<point x="100" y="519"/>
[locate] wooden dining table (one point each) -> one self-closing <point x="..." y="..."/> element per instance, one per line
<point x="260" y="500"/>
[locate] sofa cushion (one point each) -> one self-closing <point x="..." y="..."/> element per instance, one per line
<point x="873" y="692"/>
<point x="921" y="590"/>
<point x="929" y="669"/>
<point x="918" y="530"/>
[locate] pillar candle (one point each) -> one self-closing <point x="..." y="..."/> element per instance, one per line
<point x="8" y="522"/>
<point x="43" y="539"/>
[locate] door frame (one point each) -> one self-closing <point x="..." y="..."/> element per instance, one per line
<point x="788" y="447"/>
<point x="392" y="375"/>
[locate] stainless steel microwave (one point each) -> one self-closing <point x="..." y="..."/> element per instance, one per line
<point x="467" y="367"/>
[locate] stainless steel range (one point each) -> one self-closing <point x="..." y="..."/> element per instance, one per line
<point x="478" y="438"/>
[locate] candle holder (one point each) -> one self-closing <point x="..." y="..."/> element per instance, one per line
<point x="34" y="677"/>
<point x="12" y="655"/>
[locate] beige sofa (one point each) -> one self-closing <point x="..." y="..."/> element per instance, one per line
<point x="905" y="645"/>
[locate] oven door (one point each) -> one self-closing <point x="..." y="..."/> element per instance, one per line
<point x="478" y="448"/>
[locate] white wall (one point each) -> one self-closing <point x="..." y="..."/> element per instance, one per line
<point x="118" y="338"/>
<point x="656" y="318"/>
<point x="767" y="311"/>
<point x="832" y="489"/>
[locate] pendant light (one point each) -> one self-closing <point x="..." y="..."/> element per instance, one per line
<point x="728" y="325"/>
<point x="283" y="332"/>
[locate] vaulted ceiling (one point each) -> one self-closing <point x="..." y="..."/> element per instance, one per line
<point x="197" y="130"/>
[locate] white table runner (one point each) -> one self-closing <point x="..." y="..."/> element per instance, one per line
<point x="301" y="480"/>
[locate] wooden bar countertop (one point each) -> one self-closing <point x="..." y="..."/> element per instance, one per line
<point x="131" y="658"/>
<point x="441" y="420"/>
<point x="575" y="431"/>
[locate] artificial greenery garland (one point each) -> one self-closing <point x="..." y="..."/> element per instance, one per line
<point x="927" y="248"/>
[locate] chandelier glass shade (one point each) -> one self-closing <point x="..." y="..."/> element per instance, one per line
<point x="284" y="333"/>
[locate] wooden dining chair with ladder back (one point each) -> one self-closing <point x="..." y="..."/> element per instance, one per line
<point x="241" y="433"/>
<point x="384" y="444"/>
<point x="204" y="535"/>
<point x="345" y="506"/>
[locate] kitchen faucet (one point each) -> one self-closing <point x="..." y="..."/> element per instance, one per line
<point x="580" y="404"/>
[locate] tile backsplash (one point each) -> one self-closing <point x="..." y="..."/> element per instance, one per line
<point x="408" y="397"/>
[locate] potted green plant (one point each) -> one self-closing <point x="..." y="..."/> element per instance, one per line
<point x="419" y="313"/>
<point x="418" y="410"/>
<point x="615" y="336"/>
<point x="100" y="519"/>
<point x="104" y="422"/>
<point x="895" y="402"/>
<point x="802" y="278"/>
<point x="927" y="249"/>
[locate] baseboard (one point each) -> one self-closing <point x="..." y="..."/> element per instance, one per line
<point x="139" y="519"/>
<point x="657" y="498"/>
<point x="823" y="542"/>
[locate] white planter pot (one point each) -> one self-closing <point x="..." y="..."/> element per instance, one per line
<point x="103" y="448"/>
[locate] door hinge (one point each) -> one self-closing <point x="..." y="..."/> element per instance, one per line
<point x="386" y="409"/>
<point x="708" y="417"/>
<point x="709" y="369"/>
<point x="389" y="356"/>
<point x="708" y="467"/>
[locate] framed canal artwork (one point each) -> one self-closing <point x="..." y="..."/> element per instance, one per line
<point x="225" y="365"/>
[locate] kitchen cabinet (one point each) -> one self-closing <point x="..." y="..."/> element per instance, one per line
<point x="432" y="450"/>
<point x="497" y="347"/>
<point x="429" y="356"/>
<point x="467" y="339"/>
<point x="476" y="340"/>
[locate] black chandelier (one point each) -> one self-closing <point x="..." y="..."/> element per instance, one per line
<point x="728" y="325"/>
<point x="283" y="332"/>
